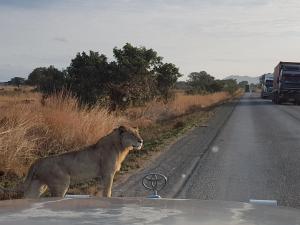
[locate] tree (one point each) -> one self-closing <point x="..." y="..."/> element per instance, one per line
<point x="135" y="62"/>
<point x="242" y="84"/>
<point x="17" y="81"/>
<point x="217" y="86"/>
<point x="137" y="66"/>
<point x="87" y="76"/>
<point x="201" y="82"/>
<point x="36" y="76"/>
<point x="230" y="86"/>
<point x="167" y="75"/>
<point x="48" y="79"/>
<point x="53" y="81"/>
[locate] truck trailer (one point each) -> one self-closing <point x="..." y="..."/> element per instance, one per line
<point x="286" y="83"/>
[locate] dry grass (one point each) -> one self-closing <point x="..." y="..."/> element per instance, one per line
<point x="29" y="130"/>
<point x="182" y="104"/>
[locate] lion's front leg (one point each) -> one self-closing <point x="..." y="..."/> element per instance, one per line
<point x="108" y="181"/>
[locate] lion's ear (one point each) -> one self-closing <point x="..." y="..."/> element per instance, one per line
<point x="122" y="129"/>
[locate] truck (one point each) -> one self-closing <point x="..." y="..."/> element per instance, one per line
<point x="247" y="88"/>
<point x="266" y="81"/>
<point x="286" y="83"/>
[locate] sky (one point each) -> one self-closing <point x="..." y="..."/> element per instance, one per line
<point x="223" y="37"/>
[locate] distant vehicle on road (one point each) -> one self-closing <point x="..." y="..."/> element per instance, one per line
<point x="286" y="83"/>
<point x="266" y="81"/>
<point x="247" y="88"/>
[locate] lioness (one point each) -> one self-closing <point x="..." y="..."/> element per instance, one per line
<point x="100" y="160"/>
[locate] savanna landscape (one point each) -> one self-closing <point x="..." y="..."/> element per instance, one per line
<point x="149" y="112"/>
<point x="48" y="114"/>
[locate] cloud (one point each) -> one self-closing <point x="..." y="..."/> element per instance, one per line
<point x="221" y="36"/>
<point x="60" y="39"/>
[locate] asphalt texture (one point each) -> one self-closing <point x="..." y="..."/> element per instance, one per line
<point x="255" y="156"/>
<point x="249" y="150"/>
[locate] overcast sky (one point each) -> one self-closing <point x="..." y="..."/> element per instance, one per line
<point x="223" y="37"/>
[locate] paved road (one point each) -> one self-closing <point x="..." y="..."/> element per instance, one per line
<point x="180" y="159"/>
<point x="256" y="155"/>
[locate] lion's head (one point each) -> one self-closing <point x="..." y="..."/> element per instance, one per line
<point x="130" y="137"/>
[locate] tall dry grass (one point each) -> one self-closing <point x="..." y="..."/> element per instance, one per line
<point x="182" y="104"/>
<point x="29" y="130"/>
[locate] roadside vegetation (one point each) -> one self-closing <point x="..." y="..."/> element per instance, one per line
<point x="56" y="111"/>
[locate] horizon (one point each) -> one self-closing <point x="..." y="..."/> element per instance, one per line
<point x="222" y="37"/>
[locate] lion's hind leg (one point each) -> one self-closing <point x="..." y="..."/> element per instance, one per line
<point x="35" y="189"/>
<point x="59" y="188"/>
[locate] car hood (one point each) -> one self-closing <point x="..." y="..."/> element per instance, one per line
<point x="141" y="211"/>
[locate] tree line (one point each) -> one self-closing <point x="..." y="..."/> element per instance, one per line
<point x="135" y="76"/>
<point x="203" y="83"/>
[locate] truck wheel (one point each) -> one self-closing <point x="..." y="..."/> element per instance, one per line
<point x="280" y="100"/>
<point x="277" y="99"/>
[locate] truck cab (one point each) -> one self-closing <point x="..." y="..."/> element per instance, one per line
<point x="267" y="85"/>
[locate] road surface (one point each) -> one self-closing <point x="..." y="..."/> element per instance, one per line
<point x="250" y="150"/>
<point x="255" y="156"/>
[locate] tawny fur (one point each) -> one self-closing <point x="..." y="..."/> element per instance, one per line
<point x="101" y="160"/>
